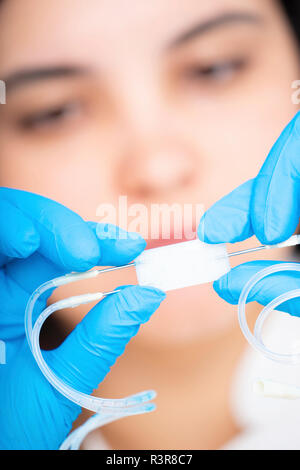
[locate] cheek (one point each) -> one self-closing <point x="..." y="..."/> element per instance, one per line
<point x="234" y="133"/>
<point x="237" y="150"/>
<point x="75" y="171"/>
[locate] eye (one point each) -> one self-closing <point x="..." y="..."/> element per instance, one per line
<point x="50" y="117"/>
<point x="217" y="72"/>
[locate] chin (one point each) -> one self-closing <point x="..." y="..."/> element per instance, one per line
<point x="187" y="316"/>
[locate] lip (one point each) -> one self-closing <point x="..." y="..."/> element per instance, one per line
<point x="158" y="242"/>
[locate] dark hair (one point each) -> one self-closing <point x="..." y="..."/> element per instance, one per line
<point x="292" y="8"/>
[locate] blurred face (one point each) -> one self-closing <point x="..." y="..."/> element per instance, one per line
<point x="168" y="101"/>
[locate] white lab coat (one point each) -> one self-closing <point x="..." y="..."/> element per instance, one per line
<point x="268" y="423"/>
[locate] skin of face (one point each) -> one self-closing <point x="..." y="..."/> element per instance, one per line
<point x="145" y="95"/>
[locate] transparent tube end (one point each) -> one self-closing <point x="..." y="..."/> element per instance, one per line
<point x="144" y="408"/>
<point x="142" y="397"/>
<point x="272" y="389"/>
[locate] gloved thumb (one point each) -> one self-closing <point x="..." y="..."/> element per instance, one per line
<point x="86" y="356"/>
<point x="229" y="287"/>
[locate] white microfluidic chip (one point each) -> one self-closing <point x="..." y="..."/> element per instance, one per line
<point x="181" y="265"/>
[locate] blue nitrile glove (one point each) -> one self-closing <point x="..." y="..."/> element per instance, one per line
<point x="40" y="240"/>
<point x="267" y="207"/>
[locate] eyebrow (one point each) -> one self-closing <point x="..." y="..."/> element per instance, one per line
<point x="27" y="76"/>
<point x="224" y="19"/>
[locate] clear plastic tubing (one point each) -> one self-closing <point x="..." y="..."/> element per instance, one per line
<point x="139" y="403"/>
<point x="134" y="404"/>
<point x="186" y="274"/>
<point x="256" y="339"/>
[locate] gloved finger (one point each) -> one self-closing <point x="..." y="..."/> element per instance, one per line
<point x="18" y="236"/>
<point x="118" y="246"/>
<point x="35" y="270"/>
<point x="22" y="277"/>
<point x="17" y="282"/>
<point x="65" y="238"/>
<point x="85" y="357"/>
<point x="4" y="259"/>
<point x="228" y="220"/>
<point x="276" y="191"/>
<point x="229" y="287"/>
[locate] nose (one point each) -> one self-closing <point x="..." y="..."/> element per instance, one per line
<point x="155" y="169"/>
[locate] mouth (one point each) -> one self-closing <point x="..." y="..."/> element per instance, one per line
<point x="170" y="240"/>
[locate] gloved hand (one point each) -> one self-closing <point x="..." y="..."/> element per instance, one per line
<point x="40" y="240"/>
<point x="268" y="207"/>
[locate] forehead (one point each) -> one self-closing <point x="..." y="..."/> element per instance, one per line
<point x="89" y="30"/>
